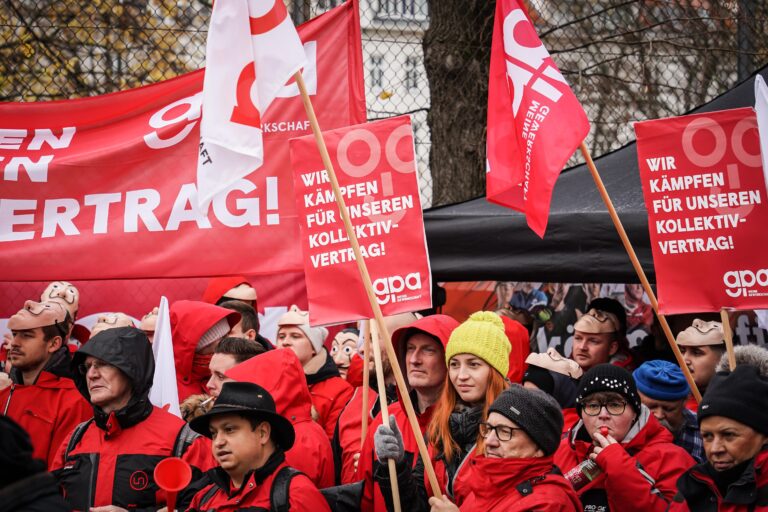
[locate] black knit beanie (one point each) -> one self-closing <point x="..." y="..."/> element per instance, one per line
<point x="741" y="395"/>
<point x="608" y="378"/>
<point x="537" y="413"/>
<point x="541" y="377"/>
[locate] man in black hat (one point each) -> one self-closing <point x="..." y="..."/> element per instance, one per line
<point x="249" y="439"/>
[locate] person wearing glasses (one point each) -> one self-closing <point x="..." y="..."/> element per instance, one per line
<point x="107" y="463"/>
<point x="42" y="397"/>
<point x="638" y="463"/>
<point x="516" y="471"/>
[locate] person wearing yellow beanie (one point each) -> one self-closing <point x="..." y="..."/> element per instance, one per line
<point x="477" y="355"/>
<point x="482" y="335"/>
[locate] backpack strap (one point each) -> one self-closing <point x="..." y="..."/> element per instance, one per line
<point x="208" y="495"/>
<point x="278" y="495"/>
<point x="77" y="435"/>
<point x="184" y="439"/>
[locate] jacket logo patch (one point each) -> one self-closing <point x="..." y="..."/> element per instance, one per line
<point x="139" y="480"/>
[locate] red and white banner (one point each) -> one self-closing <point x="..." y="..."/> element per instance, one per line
<point x="376" y="170"/>
<point x="705" y="194"/>
<point x="104" y="187"/>
<point x="252" y="50"/>
<point x="535" y="122"/>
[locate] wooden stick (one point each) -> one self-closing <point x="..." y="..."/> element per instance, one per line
<point x="366" y="278"/>
<point x="639" y="270"/>
<point x="728" y="338"/>
<point x="382" y="386"/>
<point x="366" y="378"/>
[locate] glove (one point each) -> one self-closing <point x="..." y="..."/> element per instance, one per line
<point x="388" y="442"/>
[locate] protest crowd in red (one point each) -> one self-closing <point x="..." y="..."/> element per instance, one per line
<point x="218" y="297"/>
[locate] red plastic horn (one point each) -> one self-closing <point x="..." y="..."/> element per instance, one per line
<point x="172" y="475"/>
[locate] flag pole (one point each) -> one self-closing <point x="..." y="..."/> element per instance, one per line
<point x="376" y="347"/>
<point x="639" y="270"/>
<point x="367" y="284"/>
<point x="366" y="378"/>
<point x="728" y="335"/>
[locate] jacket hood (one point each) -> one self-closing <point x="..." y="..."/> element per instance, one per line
<point x="281" y="374"/>
<point x="517" y="335"/>
<point x="128" y="349"/>
<point x="645" y="432"/>
<point x="439" y="327"/>
<point x="218" y="286"/>
<point x="190" y="319"/>
<point x="326" y="371"/>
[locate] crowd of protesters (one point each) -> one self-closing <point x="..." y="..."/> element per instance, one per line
<point x="279" y="424"/>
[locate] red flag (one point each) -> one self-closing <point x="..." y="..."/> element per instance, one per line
<point x="535" y="121"/>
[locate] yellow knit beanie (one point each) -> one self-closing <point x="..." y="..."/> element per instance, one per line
<point x="482" y="335"/>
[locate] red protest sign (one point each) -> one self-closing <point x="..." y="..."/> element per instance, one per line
<point x="376" y="170"/>
<point x="104" y="187"/>
<point x="705" y="194"/>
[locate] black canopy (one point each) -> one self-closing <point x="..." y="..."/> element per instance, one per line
<point x="477" y="240"/>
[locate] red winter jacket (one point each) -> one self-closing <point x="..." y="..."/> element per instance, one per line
<point x="114" y="461"/>
<point x="330" y="393"/>
<point x="254" y="493"/>
<point x="189" y="321"/>
<point x="509" y="485"/>
<point x="518" y="337"/>
<point x="48" y="409"/>
<point x="646" y="454"/>
<point x="348" y="435"/>
<point x="697" y="491"/>
<point x="372" y="497"/>
<point x="280" y="373"/>
<point x="570" y="419"/>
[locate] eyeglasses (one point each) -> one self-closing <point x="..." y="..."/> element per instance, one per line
<point x="615" y="408"/>
<point x="503" y="433"/>
<point x="97" y="365"/>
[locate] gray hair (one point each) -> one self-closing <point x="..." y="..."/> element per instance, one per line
<point x="746" y="354"/>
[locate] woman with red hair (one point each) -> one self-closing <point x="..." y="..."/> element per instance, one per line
<point x="477" y="355"/>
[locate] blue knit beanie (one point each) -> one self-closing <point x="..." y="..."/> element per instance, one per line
<point x="661" y="380"/>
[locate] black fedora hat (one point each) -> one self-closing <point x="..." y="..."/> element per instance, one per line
<point x="252" y="400"/>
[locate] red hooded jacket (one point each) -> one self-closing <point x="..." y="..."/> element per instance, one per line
<point x="254" y="493"/>
<point x="697" y="491"/>
<point x="511" y="485"/>
<point x="280" y="373"/>
<point x="189" y="321"/>
<point x="517" y="335"/>
<point x="639" y="474"/>
<point x="48" y="409"/>
<point x="439" y="327"/>
<point x="348" y="435"/>
<point x="330" y="393"/>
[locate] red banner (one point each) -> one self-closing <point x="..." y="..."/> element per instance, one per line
<point x="377" y="176"/>
<point x="705" y="194"/>
<point x="535" y="121"/>
<point x="104" y="187"/>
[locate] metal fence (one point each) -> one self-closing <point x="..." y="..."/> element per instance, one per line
<point x="626" y="59"/>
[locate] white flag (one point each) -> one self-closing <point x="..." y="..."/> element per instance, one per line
<point x="761" y="108"/>
<point x="164" y="390"/>
<point x="252" y="50"/>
